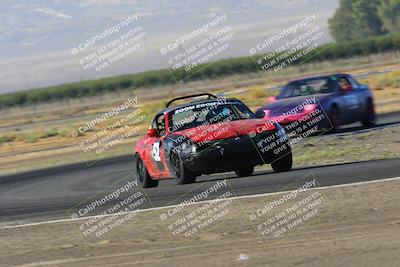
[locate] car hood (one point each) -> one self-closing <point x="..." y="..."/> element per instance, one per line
<point x="283" y="105"/>
<point x="224" y="130"/>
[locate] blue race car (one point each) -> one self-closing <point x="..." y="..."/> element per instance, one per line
<point x="328" y="101"/>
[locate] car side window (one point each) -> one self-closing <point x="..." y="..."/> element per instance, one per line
<point x="296" y="91"/>
<point x="159" y="124"/>
<point x="287" y="91"/>
<point x="344" y="83"/>
<point x="353" y="82"/>
<point x="243" y="112"/>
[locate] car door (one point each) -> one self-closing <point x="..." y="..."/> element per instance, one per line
<point x="351" y="101"/>
<point x="156" y="146"/>
<point x="361" y="91"/>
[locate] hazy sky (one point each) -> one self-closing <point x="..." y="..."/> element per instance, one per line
<point x="37" y="35"/>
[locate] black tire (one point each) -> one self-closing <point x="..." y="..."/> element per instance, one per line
<point x="284" y="163"/>
<point x="182" y="174"/>
<point x="334" y="118"/>
<point x="369" y="118"/>
<point x="143" y="175"/>
<point x="245" y="171"/>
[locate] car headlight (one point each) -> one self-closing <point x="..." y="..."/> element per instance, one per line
<point x="188" y="147"/>
<point x="310" y="107"/>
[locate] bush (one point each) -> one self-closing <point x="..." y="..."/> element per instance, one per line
<point x="6" y="139"/>
<point x="31" y="138"/>
<point x="50" y="133"/>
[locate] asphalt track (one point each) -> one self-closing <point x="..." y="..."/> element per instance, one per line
<point x="50" y="193"/>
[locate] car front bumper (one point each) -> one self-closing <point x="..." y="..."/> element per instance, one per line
<point x="240" y="152"/>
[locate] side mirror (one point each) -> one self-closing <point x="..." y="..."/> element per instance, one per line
<point x="271" y="99"/>
<point x="152" y="132"/>
<point x="260" y="114"/>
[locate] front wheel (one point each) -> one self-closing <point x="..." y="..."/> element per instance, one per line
<point x="143" y="175"/>
<point x="182" y="174"/>
<point x="245" y="171"/>
<point x="284" y="163"/>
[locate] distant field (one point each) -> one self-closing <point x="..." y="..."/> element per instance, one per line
<point x="32" y="133"/>
<point x="259" y="81"/>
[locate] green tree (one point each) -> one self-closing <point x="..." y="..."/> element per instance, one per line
<point x="342" y="23"/>
<point x="368" y="22"/>
<point x="356" y="19"/>
<point x="389" y="12"/>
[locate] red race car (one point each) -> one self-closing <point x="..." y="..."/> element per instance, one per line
<point x="209" y="135"/>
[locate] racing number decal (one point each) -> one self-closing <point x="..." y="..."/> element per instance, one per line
<point x="351" y="101"/>
<point x="156" y="155"/>
<point x="156" y="151"/>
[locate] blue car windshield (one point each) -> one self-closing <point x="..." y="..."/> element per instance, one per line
<point x="307" y="87"/>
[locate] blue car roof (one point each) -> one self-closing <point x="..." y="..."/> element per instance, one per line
<point x="320" y="77"/>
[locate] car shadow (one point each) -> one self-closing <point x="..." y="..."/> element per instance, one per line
<point x="269" y="172"/>
<point x="359" y="128"/>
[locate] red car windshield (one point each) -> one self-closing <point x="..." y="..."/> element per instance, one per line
<point x="207" y="113"/>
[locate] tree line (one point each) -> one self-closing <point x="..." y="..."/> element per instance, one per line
<point x="357" y="19"/>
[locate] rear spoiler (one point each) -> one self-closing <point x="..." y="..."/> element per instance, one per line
<point x="209" y="96"/>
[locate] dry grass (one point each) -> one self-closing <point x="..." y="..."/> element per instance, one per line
<point x="389" y="80"/>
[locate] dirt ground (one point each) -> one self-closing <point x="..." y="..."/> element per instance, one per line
<point x="354" y="226"/>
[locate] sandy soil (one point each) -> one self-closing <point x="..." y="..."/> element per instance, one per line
<point x="354" y="226"/>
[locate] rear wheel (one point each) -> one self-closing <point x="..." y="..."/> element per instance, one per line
<point x="245" y="171"/>
<point x="284" y="163"/>
<point x="143" y="175"/>
<point x="334" y="117"/>
<point x="182" y="174"/>
<point x="369" y="119"/>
